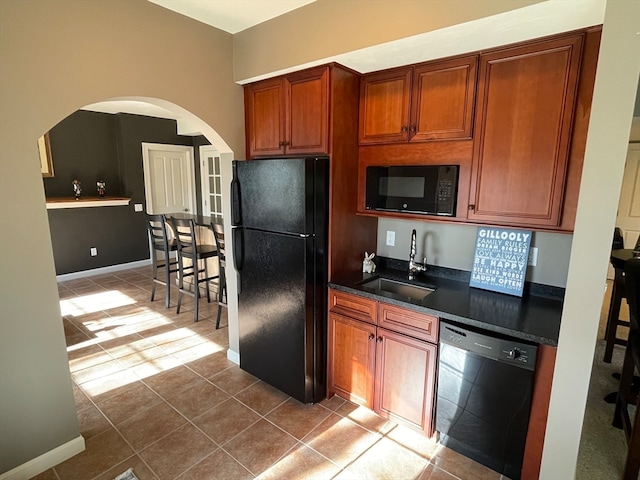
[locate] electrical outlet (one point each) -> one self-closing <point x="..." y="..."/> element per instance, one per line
<point x="391" y="238"/>
<point x="94" y="251"/>
<point x="533" y="256"/>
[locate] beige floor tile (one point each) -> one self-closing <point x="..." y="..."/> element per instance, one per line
<point x="301" y="463"/>
<point x="340" y="440"/>
<point x="226" y="420"/>
<point x="157" y="366"/>
<point x="460" y="466"/>
<point x="92" y="422"/>
<point x="260" y="446"/>
<point x="211" y="364"/>
<point x="140" y="469"/>
<point x="233" y="380"/>
<point x="102" y="452"/>
<point x="333" y="403"/>
<point x="414" y="440"/>
<point x="200" y="397"/>
<point x="434" y="473"/>
<point x="388" y="460"/>
<point x="81" y="400"/>
<point x="364" y="417"/>
<point x="175" y="380"/>
<point x="151" y="425"/>
<point x="219" y="465"/>
<point x="97" y="372"/>
<point x="177" y="452"/>
<point x="131" y="400"/>
<point x="46" y="475"/>
<point x="297" y="418"/>
<point x="262" y="397"/>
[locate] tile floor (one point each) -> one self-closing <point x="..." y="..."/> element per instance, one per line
<point x="155" y="392"/>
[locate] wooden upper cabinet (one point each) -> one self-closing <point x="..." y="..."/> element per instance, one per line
<point x="288" y="115"/>
<point x="526" y="98"/>
<point x="264" y="117"/>
<point x="384" y="106"/>
<point x="443" y="100"/>
<point x="432" y="101"/>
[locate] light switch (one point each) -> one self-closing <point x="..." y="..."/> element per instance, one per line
<point x="137" y="207"/>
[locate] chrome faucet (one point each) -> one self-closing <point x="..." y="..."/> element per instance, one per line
<point x="415" y="267"/>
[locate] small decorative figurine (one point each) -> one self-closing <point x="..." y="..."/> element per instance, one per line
<point x="77" y="189"/>
<point x="367" y="264"/>
<point x="101" y="188"/>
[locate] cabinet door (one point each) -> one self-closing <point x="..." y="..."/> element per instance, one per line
<point x="384" y="106"/>
<point x="307" y="108"/>
<point x="442" y="100"/>
<point x="405" y="379"/>
<point x="264" y="104"/>
<point x="525" y="107"/>
<point x="351" y="359"/>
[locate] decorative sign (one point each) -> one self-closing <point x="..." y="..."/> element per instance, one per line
<point x="500" y="262"/>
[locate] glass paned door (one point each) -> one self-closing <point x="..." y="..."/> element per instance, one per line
<point x="211" y="181"/>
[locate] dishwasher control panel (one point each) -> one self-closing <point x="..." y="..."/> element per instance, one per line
<point x="496" y="348"/>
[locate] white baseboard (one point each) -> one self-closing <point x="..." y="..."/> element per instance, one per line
<point x="46" y="460"/>
<point x="101" y="270"/>
<point x="232" y="356"/>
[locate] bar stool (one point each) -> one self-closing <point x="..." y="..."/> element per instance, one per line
<point x="617" y="294"/>
<point x="194" y="252"/>
<point x="160" y="243"/>
<point x="218" y="235"/>
<point x="626" y="396"/>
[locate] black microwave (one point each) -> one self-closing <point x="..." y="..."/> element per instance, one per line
<point x="422" y="189"/>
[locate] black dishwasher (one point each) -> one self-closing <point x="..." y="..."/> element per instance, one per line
<point x="485" y="384"/>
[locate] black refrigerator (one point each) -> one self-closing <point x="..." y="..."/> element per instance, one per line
<point x="279" y="213"/>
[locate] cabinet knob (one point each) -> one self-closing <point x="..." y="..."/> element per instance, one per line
<point x="404" y="129"/>
<point x="379" y="339"/>
<point x="412" y="129"/>
<point x="371" y="336"/>
<point x="472" y="207"/>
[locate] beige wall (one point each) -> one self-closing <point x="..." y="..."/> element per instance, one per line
<point x="56" y="57"/>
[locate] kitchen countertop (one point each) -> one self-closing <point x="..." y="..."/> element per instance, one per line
<point x="535" y="317"/>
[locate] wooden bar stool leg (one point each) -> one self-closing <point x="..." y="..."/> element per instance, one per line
<point x="612" y="321"/>
<point x="154" y="261"/>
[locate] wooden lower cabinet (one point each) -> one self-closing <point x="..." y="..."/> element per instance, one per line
<point x="389" y="372"/>
<point x="405" y="378"/>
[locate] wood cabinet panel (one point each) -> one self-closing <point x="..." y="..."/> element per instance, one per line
<point x="419" y="325"/>
<point x="384" y="106"/>
<point x="405" y="379"/>
<point x="353" y="306"/>
<point x="264" y="117"/>
<point x="351" y="359"/>
<point x="307" y="107"/>
<point x="443" y="100"/>
<point x="525" y="107"/>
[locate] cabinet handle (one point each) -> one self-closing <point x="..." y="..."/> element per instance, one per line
<point x="403" y="129"/>
<point x="412" y="129"/>
<point x="371" y="336"/>
<point x="472" y="207"/>
<point x="281" y="144"/>
<point x="285" y="143"/>
<point x="379" y="339"/>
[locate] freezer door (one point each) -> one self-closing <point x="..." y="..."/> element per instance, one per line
<point x="275" y="194"/>
<point x="281" y="312"/>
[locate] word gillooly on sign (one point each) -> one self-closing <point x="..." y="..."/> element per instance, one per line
<point x="500" y="261"/>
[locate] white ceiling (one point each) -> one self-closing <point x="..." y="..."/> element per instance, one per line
<point x="232" y="16"/>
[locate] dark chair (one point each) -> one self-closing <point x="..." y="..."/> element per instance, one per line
<point x="617" y="294"/>
<point x="627" y="397"/>
<point x="193" y="252"/>
<point x="161" y="248"/>
<point x="218" y="234"/>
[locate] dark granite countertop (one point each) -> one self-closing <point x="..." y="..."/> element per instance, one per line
<point x="535" y="317"/>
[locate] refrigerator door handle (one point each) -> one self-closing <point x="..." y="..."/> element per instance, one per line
<point x="236" y="212"/>
<point x="238" y="255"/>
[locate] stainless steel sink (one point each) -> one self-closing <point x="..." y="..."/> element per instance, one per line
<point x="406" y="290"/>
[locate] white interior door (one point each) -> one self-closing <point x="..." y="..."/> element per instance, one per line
<point x="169" y="178"/>
<point x="211" y="177"/>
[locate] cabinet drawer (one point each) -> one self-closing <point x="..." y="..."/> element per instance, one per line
<point x="418" y="325"/>
<point x="353" y="306"/>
